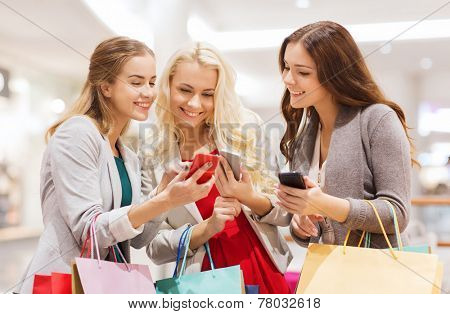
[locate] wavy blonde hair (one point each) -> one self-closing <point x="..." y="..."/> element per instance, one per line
<point x="226" y="124"/>
<point x="105" y="64"/>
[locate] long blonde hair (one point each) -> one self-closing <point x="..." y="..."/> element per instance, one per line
<point x="226" y="124"/>
<point x="105" y="64"/>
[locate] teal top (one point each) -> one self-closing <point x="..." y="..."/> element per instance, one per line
<point x="127" y="192"/>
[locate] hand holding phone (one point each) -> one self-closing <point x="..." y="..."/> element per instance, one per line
<point x="292" y="179"/>
<point x="200" y="160"/>
<point x="234" y="160"/>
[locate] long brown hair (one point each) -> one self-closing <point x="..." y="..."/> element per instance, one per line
<point x="341" y="70"/>
<point x="105" y="64"/>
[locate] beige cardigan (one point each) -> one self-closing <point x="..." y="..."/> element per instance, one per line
<point x="79" y="179"/>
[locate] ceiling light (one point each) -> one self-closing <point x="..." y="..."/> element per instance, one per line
<point x="374" y="32"/>
<point x="19" y="85"/>
<point x="58" y="106"/>
<point x="302" y="4"/>
<point x="120" y="17"/>
<point x="198" y="30"/>
<point x="426" y="63"/>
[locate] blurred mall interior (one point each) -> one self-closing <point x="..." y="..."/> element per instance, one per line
<point x="44" y="55"/>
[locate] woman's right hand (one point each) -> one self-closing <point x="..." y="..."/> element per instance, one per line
<point x="303" y="226"/>
<point x="225" y="209"/>
<point x="180" y="191"/>
<point x="171" y="171"/>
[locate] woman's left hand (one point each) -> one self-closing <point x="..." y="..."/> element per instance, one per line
<point x="298" y="201"/>
<point x="228" y="186"/>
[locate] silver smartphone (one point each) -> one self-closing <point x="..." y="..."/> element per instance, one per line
<point x="234" y="160"/>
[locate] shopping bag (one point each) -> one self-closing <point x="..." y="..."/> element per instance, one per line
<point x="346" y="269"/>
<point x="56" y="283"/>
<point x="410" y="248"/>
<point x="292" y="279"/>
<point x="251" y="289"/>
<point x="90" y="275"/>
<point x="42" y="284"/>
<point x="228" y="280"/>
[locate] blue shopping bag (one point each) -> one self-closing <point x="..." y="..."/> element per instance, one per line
<point x="228" y="280"/>
<point x="251" y="289"/>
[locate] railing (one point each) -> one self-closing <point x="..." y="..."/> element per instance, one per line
<point x="419" y="202"/>
<point x="426" y="201"/>
<point x="424" y="204"/>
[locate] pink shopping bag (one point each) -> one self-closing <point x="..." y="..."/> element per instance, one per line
<point x="98" y="276"/>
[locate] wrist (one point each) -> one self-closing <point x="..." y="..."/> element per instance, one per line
<point x="164" y="199"/>
<point x="319" y="199"/>
<point x="210" y="230"/>
<point x="248" y="199"/>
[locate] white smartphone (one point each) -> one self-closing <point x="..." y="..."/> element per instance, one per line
<point x="234" y="160"/>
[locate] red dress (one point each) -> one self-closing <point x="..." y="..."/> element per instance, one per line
<point x="239" y="244"/>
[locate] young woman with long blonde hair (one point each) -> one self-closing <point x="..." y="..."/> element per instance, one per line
<point x="199" y="112"/>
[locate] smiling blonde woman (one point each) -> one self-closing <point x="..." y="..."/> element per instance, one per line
<point x="199" y="112"/>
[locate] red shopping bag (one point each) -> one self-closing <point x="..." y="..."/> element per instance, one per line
<point x="56" y="283"/>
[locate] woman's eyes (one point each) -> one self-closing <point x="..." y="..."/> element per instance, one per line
<point x="299" y="73"/>
<point x="152" y="84"/>
<point x="287" y="68"/>
<point x="184" y="90"/>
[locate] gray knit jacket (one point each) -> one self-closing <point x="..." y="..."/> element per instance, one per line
<point x="368" y="159"/>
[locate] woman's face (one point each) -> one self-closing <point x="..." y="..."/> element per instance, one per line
<point x="192" y="93"/>
<point x="300" y="78"/>
<point x="132" y="92"/>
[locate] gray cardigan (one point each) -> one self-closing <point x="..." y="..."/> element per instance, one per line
<point x="368" y="159"/>
<point x="79" y="179"/>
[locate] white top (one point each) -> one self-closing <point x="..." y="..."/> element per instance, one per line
<point x="317" y="174"/>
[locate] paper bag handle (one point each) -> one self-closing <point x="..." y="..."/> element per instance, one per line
<point x="382" y="229"/>
<point x="186" y="245"/>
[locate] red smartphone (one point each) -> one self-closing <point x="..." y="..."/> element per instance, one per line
<point x="199" y="161"/>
